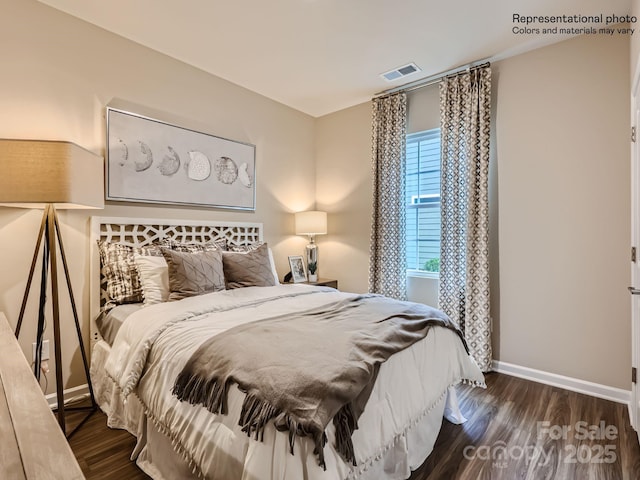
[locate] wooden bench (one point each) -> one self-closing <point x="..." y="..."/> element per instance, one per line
<point x="32" y="447"/>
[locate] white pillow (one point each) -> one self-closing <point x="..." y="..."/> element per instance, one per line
<point x="154" y="278"/>
<point x="273" y="267"/>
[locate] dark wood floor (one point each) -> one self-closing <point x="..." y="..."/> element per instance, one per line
<point x="516" y="430"/>
<point x="104" y="453"/>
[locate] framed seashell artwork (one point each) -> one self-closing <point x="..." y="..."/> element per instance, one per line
<point x="152" y="161"/>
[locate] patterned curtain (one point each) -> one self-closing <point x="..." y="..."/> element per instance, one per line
<point x="465" y="104"/>
<point x="388" y="257"/>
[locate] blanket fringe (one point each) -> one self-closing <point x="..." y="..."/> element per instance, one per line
<point x="211" y="393"/>
<point x="255" y="414"/>
<point x="345" y="423"/>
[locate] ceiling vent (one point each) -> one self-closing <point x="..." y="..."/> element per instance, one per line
<point x="400" y="72"/>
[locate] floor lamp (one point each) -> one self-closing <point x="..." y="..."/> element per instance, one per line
<point x="51" y="175"/>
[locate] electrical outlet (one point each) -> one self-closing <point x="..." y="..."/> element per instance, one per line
<point x="45" y="351"/>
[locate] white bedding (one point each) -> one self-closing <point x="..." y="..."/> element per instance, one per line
<point x="155" y="342"/>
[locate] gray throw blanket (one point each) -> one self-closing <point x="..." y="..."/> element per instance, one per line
<point x="303" y="369"/>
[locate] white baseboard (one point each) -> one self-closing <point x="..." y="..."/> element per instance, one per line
<point x="70" y="395"/>
<point x="573" y="384"/>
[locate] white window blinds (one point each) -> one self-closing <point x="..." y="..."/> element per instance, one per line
<point x="423" y="200"/>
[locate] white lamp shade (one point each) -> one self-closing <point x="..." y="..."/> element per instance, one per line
<point x="311" y="223"/>
<point x="39" y="172"/>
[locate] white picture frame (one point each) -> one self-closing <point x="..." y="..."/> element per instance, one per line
<point x="298" y="270"/>
<point x="151" y="161"/>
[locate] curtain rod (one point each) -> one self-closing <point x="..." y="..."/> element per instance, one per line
<point x="425" y="82"/>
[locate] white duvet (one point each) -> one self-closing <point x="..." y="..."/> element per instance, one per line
<point x="154" y="343"/>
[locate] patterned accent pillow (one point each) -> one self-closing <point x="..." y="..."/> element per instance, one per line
<point x="194" y="247"/>
<point x="121" y="273"/>
<point x="193" y="273"/>
<point x="248" y="269"/>
<point x="244" y="248"/>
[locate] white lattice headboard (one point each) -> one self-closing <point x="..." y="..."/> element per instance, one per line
<point x="139" y="232"/>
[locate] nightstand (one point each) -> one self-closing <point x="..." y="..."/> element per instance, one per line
<point x="324" y="282"/>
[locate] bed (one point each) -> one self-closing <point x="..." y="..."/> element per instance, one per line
<point x="143" y="349"/>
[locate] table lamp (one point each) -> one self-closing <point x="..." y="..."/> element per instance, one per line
<point x="51" y="175"/>
<point x="311" y="223"/>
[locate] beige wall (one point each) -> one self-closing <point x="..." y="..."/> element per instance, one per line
<point x="59" y="74"/>
<point x="563" y="184"/>
<point x="560" y="212"/>
<point x="423" y="108"/>
<point x="635" y="38"/>
<point x="343" y="189"/>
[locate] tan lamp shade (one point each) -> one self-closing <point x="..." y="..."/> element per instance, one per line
<point x="311" y="223"/>
<point x="34" y="173"/>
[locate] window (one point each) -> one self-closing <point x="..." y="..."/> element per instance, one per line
<point x="423" y="200"/>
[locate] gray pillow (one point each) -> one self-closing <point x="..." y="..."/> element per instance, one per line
<point x="248" y="269"/>
<point x="193" y="273"/>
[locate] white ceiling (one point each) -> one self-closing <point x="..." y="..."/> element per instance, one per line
<point x="320" y="56"/>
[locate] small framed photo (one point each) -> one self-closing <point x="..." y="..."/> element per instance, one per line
<point x="298" y="272"/>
